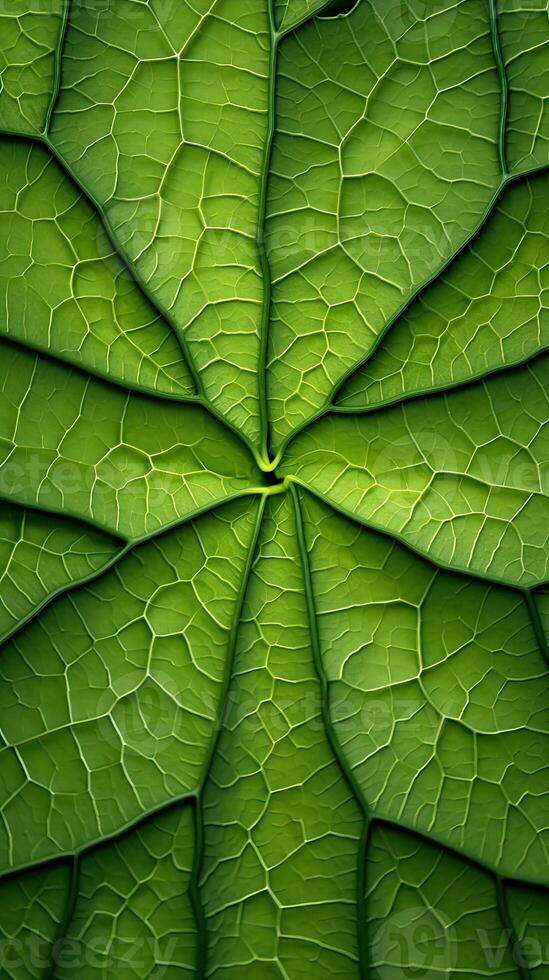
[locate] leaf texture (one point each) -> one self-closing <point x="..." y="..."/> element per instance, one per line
<point x="143" y="876"/>
<point x="129" y="464"/>
<point x="274" y="580"/>
<point x="29" y="49"/>
<point x="170" y="141"/>
<point x="122" y="703"/>
<point x="380" y="171"/>
<point x="460" y="477"/>
<point x="42" y="556"/>
<point x="524" y="40"/>
<point x="486" y="312"/>
<point x="427" y="910"/>
<point x="282" y="827"/>
<point x="65" y="292"/>
<point x="438" y="695"/>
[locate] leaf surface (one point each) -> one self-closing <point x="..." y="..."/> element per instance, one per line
<point x="461" y="477"/>
<point x="145" y="875"/>
<point x="65" y="292"/>
<point x="109" y="698"/>
<point x="488" y="311"/>
<point x="29" y="46"/>
<point x="282" y="827"/>
<point x="381" y="170"/>
<point x="128" y="463"/>
<point x="524" y="40"/>
<point x="438" y="695"/>
<point x="171" y="108"/>
<point x="274" y="580"/>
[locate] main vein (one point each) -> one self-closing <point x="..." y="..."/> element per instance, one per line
<point x="265" y="448"/>
<point x="331" y="736"/>
<point x="202" y="953"/>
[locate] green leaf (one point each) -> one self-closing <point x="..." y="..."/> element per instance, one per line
<point x="274" y="499"/>
<point x="529" y="911"/>
<point x="524" y="41"/>
<point x="29" y="46"/>
<point x="128" y="463"/>
<point x="381" y="169"/>
<point x="438" y="695"/>
<point x="118" y="713"/>
<point x="143" y="876"/>
<point x="428" y="910"/>
<point x="163" y="116"/>
<point x="489" y="310"/>
<point x="282" y="829"/>
<point x="41" y="556"/>
<point x="32" y="906"/>
<point x="291" y="13"/>
<point x="461" y="477"/>
<point x="63" y="289"/>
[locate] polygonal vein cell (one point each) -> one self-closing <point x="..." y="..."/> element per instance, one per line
<point x="64" y="292"/>
<point x="281" y="826"/>
<point x="524" y="31"/>
<point x="384" y="162"/>
<point x="163" y="116"/>
<point x="489" y="310"/>
<point x="433" y="914"/>
<point x="133" y="916"/>
<point x="109" y="699"/>
<point x="125" y="910"/>
<point x="462" y="477"/>
<point x="41" y="555"/>
<point x="438" y="695"/>
<point x="129" y="463"/>
<point x="29" y="35"/>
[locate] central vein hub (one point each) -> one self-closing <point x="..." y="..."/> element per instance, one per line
<point x="272" y="479"/>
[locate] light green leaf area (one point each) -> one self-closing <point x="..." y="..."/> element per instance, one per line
<point x="40" y="556"/>
<point x="438" y="695"/>
<point x="490" y="309"/>
<point x="282" y="829"/>
<point x="291" y="13"/>
<point x="385" y="160"/>
<point x="64" y="291"/>
<point x="163" y="116"/>
<point x="274" y="490"/>
<point x="29" y="35"/>
<point x="462" y="477"/>
<point x="524" y="30"/>
<point x="128" y="463"/>
<point x="144" y="876"/>
<point x="109" y="699"/>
